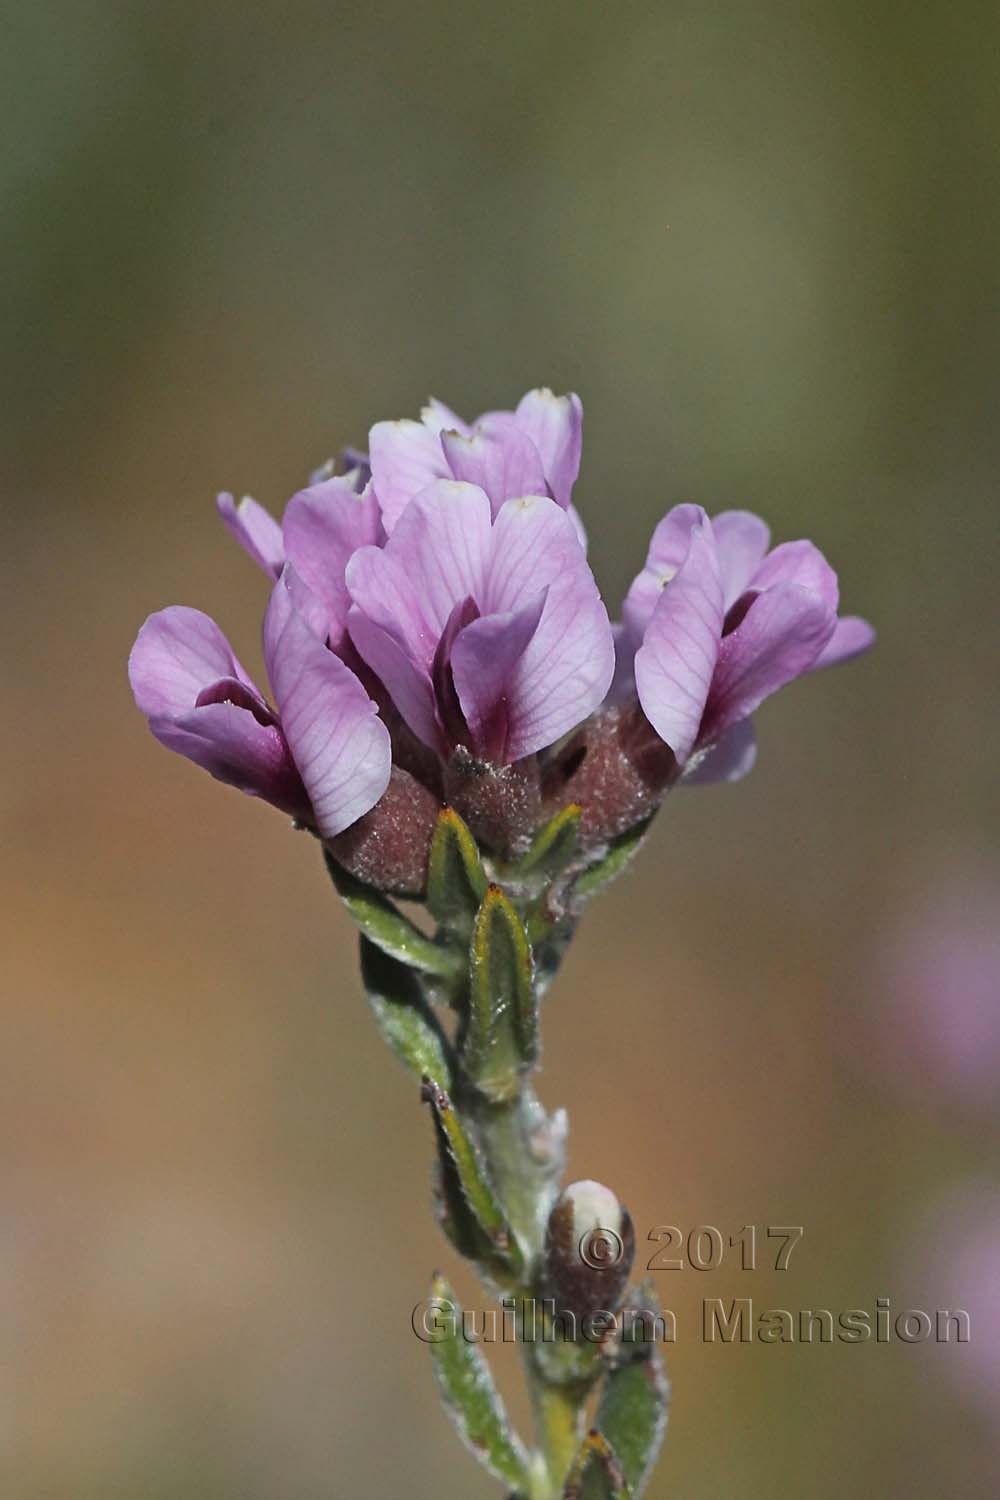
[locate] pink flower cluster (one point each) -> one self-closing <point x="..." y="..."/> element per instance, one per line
<point x="436" y="601"/>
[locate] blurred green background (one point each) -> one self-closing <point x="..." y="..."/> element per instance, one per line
<point x="761" y="240"/>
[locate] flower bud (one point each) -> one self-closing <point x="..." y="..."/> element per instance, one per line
<point x="589" y="1245"/>
<point x="617" y="769"/>
<point x="501" y="804"/>
<point x="389" y="846"/>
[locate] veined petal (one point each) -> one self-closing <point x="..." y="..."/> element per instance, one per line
<point x="851" y="636"/>
<point x="566" y="667"/>
<point x="405" y="458"/>
<point x="440" y="418"/>
<point x="741" y="541"/>
<point x="623" y="682"/>
<point x="801" y="563"/>
<point x="484" y="662"/>
<point x="499" y="458"/>
<point x="231" y="743"/>
<point x="781" y="636"/>
<point x="730" y="759"/>
<point x="674" y="665"/>
<point x="200" y="703"/>
<point x="668" y="548"/>
<point x="578" y="527"/>
<point x="339" y="744"/>
<point x="555" y="426"/>
<point x="178" y="652"/>
<point x="236" y="693"/>
<point x="409" y="686"/>
<point x="324" y="526"/>
<point x="290" y="598"/>
<point x="256" y="530"/>
<point x="435" y="557"/>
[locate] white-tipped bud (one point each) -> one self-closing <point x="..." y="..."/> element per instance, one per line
<point x="593" y="1205"/>
<point x="589" y="1245"/>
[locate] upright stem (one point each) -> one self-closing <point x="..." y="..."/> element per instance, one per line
<point x="524" y="1151"/>
<point x="525" y="1162"/>
<point x="558" y="1423"/>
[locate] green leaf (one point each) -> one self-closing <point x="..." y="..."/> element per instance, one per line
<point x="632" y="1413"/>
<point x="604" y="870"/>
<point x="456" y="1219"/>
<point x="387" y="928"/>
<point x="596" y="1473"/>
<point x="554" y="845"/>
<point x="456" y="880"/>
<point x="403" y="1015"/>
<point x="500" y="1039"/>
<point x="462" y="1156"/>
<point x="471" y="1399"/>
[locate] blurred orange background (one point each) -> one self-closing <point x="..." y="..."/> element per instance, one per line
<point x="761" y="242"/>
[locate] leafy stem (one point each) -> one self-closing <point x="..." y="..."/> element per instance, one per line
<point x="460" y="1010"/>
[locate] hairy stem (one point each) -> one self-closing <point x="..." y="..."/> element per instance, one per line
<point x="559" y="1427"/>
<point x="524" y="1149"/>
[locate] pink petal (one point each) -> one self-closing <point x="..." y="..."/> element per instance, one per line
<point x="484" y="662"/>
<point x="409" y="686"/>
<point x="741" y="541"/>
<point x="237" y="749"/>
<point x="850" y="638"/>
<point x="440" y="418"/>
<point x="780" y="637"/>
<point x="730" y="759"/>
<point x="405" y="458"/>
<point x="555" y="426"/>
<point x="668" y="548"/>
<point x="499" y="458"/>
<point x="309" y="605"/>
<point x="256" y="530"/>
<point x="201" y="704"/>
<point x="339" y="744"/>
<point x="324" y="526"/>
<point x="623" y="683"/>
<point x="674" y="665"/>
<point x="566" y="668"/>
<point x="177" y="653"/>
<point x="801" y="563"/>
<point x="435" y="557"/>
<point x="232" y="691"/>
<point x="578" y="526"/>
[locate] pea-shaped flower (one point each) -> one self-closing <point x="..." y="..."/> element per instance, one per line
<point x="321" y="754"/>
<point x="487" y="633"/>
<point x="533" y="450"/>
<point x="715" y="623"/>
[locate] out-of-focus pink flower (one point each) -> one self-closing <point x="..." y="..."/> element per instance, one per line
<point x="954" y="1264"/>
<point x="937" y="991"/>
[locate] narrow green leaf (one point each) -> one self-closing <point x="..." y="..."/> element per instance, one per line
<point x="632" y="1412"/>
<point x="456" y="1219"/>
<point x="463" y="1156"/>
<point x="596" y="1473"/>
<point x="387" y="928"/>
<point x="471" y="1398"/>
<point x="500" y="1038"/>
<point x="456" y="880"/>
<point x="604" y="870"/>
<point x="403" y="1015"/>
<point x="554" y="845"/>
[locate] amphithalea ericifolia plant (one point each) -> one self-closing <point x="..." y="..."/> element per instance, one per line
<point x="456" y="720"/>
